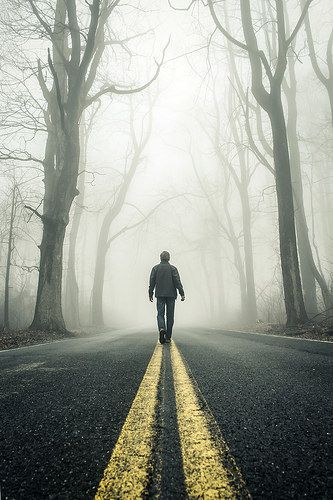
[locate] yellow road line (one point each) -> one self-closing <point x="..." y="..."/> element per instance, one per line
<point x="206" y="458"/>
<point x="127" y="473"/>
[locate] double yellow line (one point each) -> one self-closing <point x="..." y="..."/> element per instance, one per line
<point x="210" y="472"/>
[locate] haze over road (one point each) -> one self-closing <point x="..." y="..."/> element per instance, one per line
<point x="264" y="402"/>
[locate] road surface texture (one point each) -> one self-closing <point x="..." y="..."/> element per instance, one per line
<point x="215" y="414"/>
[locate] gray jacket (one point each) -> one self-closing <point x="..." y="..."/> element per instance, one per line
<point x="166" y="280"/>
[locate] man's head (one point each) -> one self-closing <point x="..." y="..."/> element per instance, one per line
<point x="165" y="256"/>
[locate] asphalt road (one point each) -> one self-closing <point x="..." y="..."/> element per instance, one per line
<point x="63" y="406"/>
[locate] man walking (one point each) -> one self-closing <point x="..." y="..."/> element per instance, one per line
<point x="165" y="279"/>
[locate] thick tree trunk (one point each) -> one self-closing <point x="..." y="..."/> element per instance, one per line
<point x="72" y="287"/>
<point x="293" y="295"/>
<point x="303" y="242"/>
<point x="60" y="187"/>
<point x="72" y="312"/>
<point x="48" y="312"/>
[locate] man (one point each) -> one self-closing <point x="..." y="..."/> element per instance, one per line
<point x="165" y="279"/>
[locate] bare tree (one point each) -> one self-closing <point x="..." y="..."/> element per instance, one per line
<point x="139" y="142"/>
<point x="74" y="55"/>
<point x="271" y="101"/>
<point x="14" y="237"/>
<point x="225" y="226"/>
<point x="309" y="271"/>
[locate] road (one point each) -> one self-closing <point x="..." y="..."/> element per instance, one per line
<point x="248" y="415"/>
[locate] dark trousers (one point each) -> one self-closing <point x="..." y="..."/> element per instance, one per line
<point x="167" y="303"/>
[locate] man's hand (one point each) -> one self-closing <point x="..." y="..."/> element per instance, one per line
<point x="151" y="299"/>
<point x="182" y="298"/>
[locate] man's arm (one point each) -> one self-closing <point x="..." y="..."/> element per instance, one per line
<point x="152" y="283"/>
<point x="177" y="282"/>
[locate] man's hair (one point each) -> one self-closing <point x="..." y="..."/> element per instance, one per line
<point x="165" y="255"/>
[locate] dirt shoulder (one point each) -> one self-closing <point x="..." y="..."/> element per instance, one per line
<point x="312" y="332"/>
<point x="22" y="338"/>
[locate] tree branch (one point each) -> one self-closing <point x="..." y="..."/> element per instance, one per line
<point x="58" y="92"/>
<point x="299" y="23"/>
<point x="132" y="226"/>
<point x="13" y="155"/>
<point x="114" y="90"/>
<point x="45" y="91"/>
<point x="33" y="210"/>
<point x="74" y="30"/>
<point x="182" y="8"/>
<point x="223" y="30"/>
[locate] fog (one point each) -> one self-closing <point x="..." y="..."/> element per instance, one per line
<point x="189" y="164"/>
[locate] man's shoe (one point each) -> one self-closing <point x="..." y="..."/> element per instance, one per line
<point x="162" y="336"/>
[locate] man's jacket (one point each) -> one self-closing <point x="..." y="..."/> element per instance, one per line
<point x="166" y="280"/>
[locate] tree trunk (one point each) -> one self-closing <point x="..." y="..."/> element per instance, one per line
<point x="303" y="242"/>
<point x="72" y="289"/>
<point x="97" y="317"/>
<point x="221" y="299"/>
<point x="326" y="211"/>
<point x="48" y="312"/>
<point x="60" y="186"/>
<point x="248" y="257"/>
<point x="330" y="96"/>
<point x="293" y="296"/>
<point x="8" y="263"/>
<point x="208" y="284"/>
<point x="72" y="312"/>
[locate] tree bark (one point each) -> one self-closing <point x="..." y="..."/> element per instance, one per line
<point x="48" y="313"/>
<point x="293" y="296"/>
<point x="72" y="288"/>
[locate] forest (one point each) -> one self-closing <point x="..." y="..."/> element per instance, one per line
<point x="201" y="127"/>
